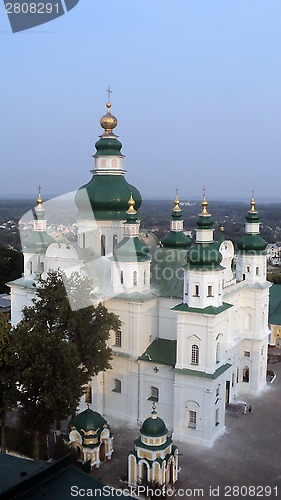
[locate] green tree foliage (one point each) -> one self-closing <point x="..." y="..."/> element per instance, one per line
<point x="58" y="350"/>
<point x="274" y="277"/>
<point x="11" y="266"/>
<point x="8" y="393"/>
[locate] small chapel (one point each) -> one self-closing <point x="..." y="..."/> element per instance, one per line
<point x="194" y="315"/>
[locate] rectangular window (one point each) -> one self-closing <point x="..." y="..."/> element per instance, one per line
<point x="192" y="419"/>
<point x="117" y="386"/>
<point x="248" y="269"/>
<point x="257" y="271"/>
<point x="210" y="291"/>
<point x="247" y="354"/>
<point x="196" y="291"/>
<point x="118" y="339"/>
<point x="194" y="354"/>
<point x="154" y="394"/>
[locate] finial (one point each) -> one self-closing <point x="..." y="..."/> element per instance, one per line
<point x="177" y="202"/>
<point x="253" y="203"/>
<point x="108" y="104"/>
<point x="204" y="203"/>
<point x="109" y="91"/>
<point x="108" y="121"/>
<point x="39" y="199"/>
<point x="131" y="204"/>
<point x="154" y="412"/>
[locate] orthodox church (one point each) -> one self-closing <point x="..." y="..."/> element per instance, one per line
<point x="194" y="325"/>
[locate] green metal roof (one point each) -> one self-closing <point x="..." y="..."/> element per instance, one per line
<point x="108" y="146"/>
<point x="38" y="241"/>
<point x="161" y="351"/>
<point x="105" y="197"/>
<point x="131" y="249"/>
<point x="252" y="243"/>
<point x="176" y="239"/>
<point x="160" y="447"/>
<point x="204" y="255"/>
<point x="88" y="420"/>
<point x="32" y="480"/>
<point x="207" y="310"/>
<point x="197" y="373"/>
<point x="154" y="427"/>
<point x="167" y="271"/>
<point x="274" y="316"/>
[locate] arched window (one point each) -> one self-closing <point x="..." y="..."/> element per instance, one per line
<point x="30" y="267"/>
<point x="135" y="278"/>
<point x="83" y="240"/>
<point x="246" y="374"/>
<point x="144" y="277"/>
<point x="194" y="354"/>
<point x="42" y="267"/>
<point x="102" y="245"/>
<point x="114" y="241"/>
<point x="218" y="348"/>
<point x="122" y="278"/>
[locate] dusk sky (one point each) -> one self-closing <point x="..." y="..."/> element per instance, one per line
<point x="196" y="90"/>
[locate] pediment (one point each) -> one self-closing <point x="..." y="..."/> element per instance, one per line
<point x="194" y="337"/>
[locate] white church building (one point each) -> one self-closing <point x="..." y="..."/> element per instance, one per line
<point x="194" y="329"/>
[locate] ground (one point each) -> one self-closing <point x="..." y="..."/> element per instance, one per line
<point x="248" y="454"/>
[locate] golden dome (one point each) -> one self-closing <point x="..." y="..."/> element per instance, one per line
<point x="108" y="121"/>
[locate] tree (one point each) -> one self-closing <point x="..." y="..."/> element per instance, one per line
<point x="8" y="393"/>
<point x="58" y="350"/>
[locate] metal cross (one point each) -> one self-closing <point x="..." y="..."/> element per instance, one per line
<point x="109" y="92"/>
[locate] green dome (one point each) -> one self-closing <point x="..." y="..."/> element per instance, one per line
<point x="176" y="239"/>
<point x="88" y="420"/>
<point x="108" y="146"/>
<point x="204" y="255"/>
<point x="131" y="249"/>
<point x="108" y="196"/>
<point x="252" y="243"/>
<point x="38" y="242"/>
<point x="153" y="427"/>
<point x="204" y="221"/>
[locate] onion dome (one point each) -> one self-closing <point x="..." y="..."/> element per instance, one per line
<point x="176" y="238"/>
<point x="130" y="248"/>
<point x="153" y="426"/>
<point x="205" y="252"/>
<point x="105" y="196"/>
<point x="39" y="239"/>
<point x="204" y="220"/>
<point x="252" y="242"/>
<point x="88" y="420"/>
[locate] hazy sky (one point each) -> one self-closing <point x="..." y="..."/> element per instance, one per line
<point x="196" y="90"/>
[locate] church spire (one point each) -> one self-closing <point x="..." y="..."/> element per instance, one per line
<point x="176" y="238"/>
<point x="108" y="121"/>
